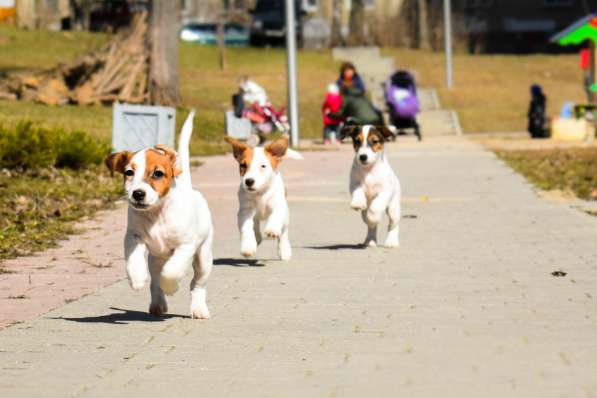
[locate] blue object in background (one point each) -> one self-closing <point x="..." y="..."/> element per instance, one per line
<point x="567" y="111"/>
<point x="207" y="33"/>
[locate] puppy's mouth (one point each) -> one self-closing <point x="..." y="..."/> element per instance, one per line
<point x="139" y="206"/>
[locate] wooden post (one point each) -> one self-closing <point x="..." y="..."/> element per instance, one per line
<point x="163" y="41"/>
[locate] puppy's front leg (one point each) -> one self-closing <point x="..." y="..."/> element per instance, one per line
<point x="246" y="226"/>
<point x="176" y="267"/>
<point x="158" y="305"/>
<point x="135" y="254"/>
<point x="359" y="200"/>
<point x="284" y="247"/>
<point x="377" y="207"/>
<point x="277" y="220"/>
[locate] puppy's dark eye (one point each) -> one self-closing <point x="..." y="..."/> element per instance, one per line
<point x="129" y="173"/>
<point x="158" y="174"/>
<point x="263" y="166"/>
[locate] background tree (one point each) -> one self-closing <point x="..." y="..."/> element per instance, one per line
<point x="336" y="38"/>
<point x="423" y="25"/>
<point x="163" y="40"/>
<point x="357" y="24"/>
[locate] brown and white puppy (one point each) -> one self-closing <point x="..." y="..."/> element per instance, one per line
<point x="169" y="224"/>
<point x="373" y="185"/>
<point x="262" y="196"/>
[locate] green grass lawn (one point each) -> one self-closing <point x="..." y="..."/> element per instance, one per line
<point x="571" y="169"/>
<point x="203" y="85"/>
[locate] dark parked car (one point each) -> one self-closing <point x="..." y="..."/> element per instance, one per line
<point x="207" y="33"/>
<point x="268" y="26"/>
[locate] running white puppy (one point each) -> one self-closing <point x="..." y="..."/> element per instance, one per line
<point x="169" y="224"/>
<point x="373" y="185"/>
<point x="262" y="195"/>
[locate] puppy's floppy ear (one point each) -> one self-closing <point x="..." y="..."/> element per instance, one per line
<point x="238" y="148"/>
<point x="385" y="132"/>
<point x="173" y="156"/>
<point x="349" y="130"/>
<point x="118" y="161"/>
<point x="278" y="147"/>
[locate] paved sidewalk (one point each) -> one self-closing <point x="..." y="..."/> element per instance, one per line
<point x="467" y="307"/>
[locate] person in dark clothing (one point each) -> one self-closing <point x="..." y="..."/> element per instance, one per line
<point x="356" y="108"/>
<point x="350" y="78"/>
<point x="536" y="114"/>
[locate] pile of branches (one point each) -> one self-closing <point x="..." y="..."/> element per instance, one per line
<point x="117" y="72"/>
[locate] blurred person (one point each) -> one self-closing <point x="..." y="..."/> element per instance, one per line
<point x="331" y="104"/>
<point x="536" y="113"/>
<point x="350" y="78"/>
<point x="252" y="93"/>
<point x="356" y="109"/>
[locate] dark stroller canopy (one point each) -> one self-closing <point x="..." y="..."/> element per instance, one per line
<point x="402" y="79"/>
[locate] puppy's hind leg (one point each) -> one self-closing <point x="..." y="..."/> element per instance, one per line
<point x="202" y="266"/>
<point x="371" y="238"/>
<point x="393" y="238"/>
<point x="158" y="305"/>
<point x="284" y="247"/>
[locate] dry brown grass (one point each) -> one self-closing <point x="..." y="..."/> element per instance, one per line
<point x="491" y="92"/>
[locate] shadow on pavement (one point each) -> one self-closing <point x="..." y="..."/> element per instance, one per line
<point x="238" y="262"/>
<point x="337" y="247"/>
<point x="121" y="318"/>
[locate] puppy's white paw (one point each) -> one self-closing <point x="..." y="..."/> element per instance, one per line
<point x="391" y="242"/>
<point x="248" y="251"/>
<point x="272" y="232"/>
<point x="285" y="253"/>
<point x="158" y="308"/>
<point x="370" y="243"/>
<point x="201" y="312"/>
<point x="138" y="282"/>
<point x="168" y="286"/>
<point x="358" y="204"/>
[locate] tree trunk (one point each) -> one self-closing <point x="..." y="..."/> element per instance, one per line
<point x="336" y="38"/>
<point x="163" y="41"/>
<point x="356" y="36"/>
<point x="423" y="22"/>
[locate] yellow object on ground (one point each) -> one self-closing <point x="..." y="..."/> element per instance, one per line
<point x="564" y="129"/>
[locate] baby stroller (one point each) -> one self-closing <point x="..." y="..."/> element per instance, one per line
<point x="402" y="101"/>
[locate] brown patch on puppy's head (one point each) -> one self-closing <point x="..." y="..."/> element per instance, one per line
<point x="276" y="150"/>
<point x="375" y="140"/>
<point x="242" y="153"/>
<point x="118" y="161"/>
<point x="160" y="169"/>
<point x="173" y="156"/>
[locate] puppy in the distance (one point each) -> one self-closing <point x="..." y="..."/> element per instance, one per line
<point x="374" y="187"/>
<point x="262" y="195"/>
<point x="169" y="224"/>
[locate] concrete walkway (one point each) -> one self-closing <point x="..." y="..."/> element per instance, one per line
<point x="467" y="307"/>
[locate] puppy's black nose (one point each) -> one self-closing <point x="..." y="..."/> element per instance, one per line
<point x="363" y="158"/>
<point x="249" y="182"/>
<point x="138" y="195"/>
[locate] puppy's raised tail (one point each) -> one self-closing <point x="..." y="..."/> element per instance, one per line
<point x="184" y="179"/>
<point x="292" y="154"/>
